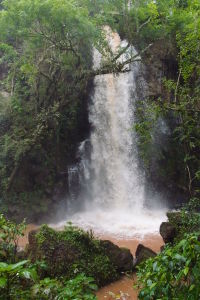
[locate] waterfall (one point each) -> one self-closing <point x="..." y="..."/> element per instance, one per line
<point x="112" y="184"/>
<point x="73" y="183"/>
<point x="117" y="182"/>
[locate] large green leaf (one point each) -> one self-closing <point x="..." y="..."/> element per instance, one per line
<point x="17" y="266"/>
<point x="29" y="274"/>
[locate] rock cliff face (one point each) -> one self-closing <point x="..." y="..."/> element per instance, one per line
<point x="43" y="179"/>
<point x="165" y="171"/>
<point x="41" y="184"/>
<point x="160" y="62"/>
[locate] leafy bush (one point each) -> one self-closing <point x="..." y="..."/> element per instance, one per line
<point x="174" y="273"/>
<point x="79" y="288"/>
<point x="20" y="281"/>
<point x="16" y="282"/>
<point x="187" y="220"/>
<point x="9" y="235"/>
<point x="14" y="278"/>
<point x="46" y="75"/>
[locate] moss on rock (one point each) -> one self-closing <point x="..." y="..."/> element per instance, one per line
<point x="72" y="251"/>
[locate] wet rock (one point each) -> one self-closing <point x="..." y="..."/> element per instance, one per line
<point x="121" y="258"/>
<point x="48" y="246"/>
<point x="143" y="253"/>
<point x="168" y="232"/>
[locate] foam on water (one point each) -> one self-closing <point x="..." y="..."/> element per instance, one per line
<point x="118" y="223"/>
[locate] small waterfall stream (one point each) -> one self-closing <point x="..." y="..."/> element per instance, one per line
<point x="113" y="197"/>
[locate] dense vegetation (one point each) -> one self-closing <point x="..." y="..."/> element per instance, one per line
<point x="46" y="74"/>
<point x="46" y="70"/>
<point x="175" y="25"/>
<point x="173" y="274"/>
<point x="55" y="265"/>
<point x="71" y="251"/>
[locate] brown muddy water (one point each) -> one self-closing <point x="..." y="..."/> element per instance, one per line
<point x="119" y="290"/>
<point x="123" y="288"/>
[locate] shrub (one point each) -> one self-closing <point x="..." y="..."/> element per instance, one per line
<point x="14" y="279"/>
<point x="79" y="288"/>
<point x="9" y="236"/>
<point x="187" y="220"/>
<point x="174" y="273"/>
<point x="71" y="252"/>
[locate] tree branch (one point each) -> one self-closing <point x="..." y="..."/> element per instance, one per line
<point x="120" y="53"/>
<point x="143" y="24"/>
<point x="177" y="84"/>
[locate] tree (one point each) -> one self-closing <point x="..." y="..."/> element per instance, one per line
<point x="178" y="23"/>
<point x="47" y="47"/>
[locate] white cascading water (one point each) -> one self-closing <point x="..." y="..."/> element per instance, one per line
<point x="113" y="159"/>
<point x="114" y="203"/>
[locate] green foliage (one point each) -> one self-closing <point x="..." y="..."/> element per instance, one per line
<point x="46" y="289"/>
<point x="9" y="235"/>
<point x="46" y="58"/>
<point x="80" y="288"/>
<point x="174" y="273"/>
<point x="71" y="252"/>
<point x="21" y="280"/>
<point x="10" y="279"/>
<point x="187" y="220"/>
<point x="176" y="23"/>
<point x="148" y="114"/>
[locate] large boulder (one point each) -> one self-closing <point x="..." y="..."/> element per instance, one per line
<point x="58" y="254"/>
<point x="32" y="237"/>
<point x="121" y="258"/>
<point x="72" y="251"/>
<point x="143" y="253"/>
<point x="168" y="232"/>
